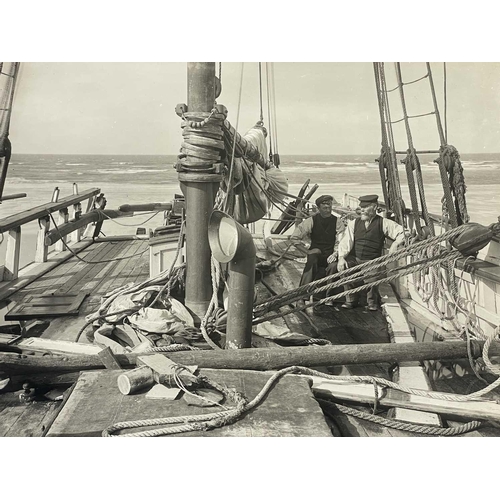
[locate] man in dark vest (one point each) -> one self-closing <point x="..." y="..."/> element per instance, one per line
<point x="363" y="240"/>
<point x="324" y="230"/>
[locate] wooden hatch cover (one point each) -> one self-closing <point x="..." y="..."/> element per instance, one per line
<point x="42" y="306"/>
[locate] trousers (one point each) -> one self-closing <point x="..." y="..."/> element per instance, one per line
<point x="315" y="259"/>
<point x="372" y="296"/>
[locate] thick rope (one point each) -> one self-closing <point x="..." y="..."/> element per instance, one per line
<point x="403" y="426"/>
<point x="218" y="419"/>
<point x="216" y="277"/>
<point x="409" y="270"/>
<point x="373" y="264"/>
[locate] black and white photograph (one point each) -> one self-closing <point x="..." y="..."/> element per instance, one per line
<point x="199" y="244"/>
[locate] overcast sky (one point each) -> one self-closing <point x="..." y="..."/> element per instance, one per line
<point x="321" y="108"/>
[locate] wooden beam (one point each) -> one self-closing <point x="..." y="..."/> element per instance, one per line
<point x="68" y="226"/>
<point x="264" y="359"/>
<point x="13" y="196"/>
<point x="409" y="373"/>
<point x="108" y="358"/>
<point x="42" y="250"/>
<point x="42" y="210"/>
<point x="365" y="393"/>
<point x="11" y="268"/>
<point x="63" y="219"/>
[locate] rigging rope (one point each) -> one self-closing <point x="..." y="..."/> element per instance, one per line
<point x="93" y="261"/>
<point x="445" y="104"/>
<point x="260" y="94"/>
<point x="230" y="192"/>
<point x="362" y="268"/>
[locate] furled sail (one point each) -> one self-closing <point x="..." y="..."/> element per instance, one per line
<point x="255" y="189"/>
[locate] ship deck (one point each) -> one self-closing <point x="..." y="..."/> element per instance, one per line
<point x="97" y="272"/>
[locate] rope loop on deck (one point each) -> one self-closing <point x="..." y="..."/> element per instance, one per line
<point x="242" y="405"/>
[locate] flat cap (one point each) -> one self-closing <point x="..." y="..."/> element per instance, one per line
<point x="323" y="198"/>
<point x="368" y="199"/>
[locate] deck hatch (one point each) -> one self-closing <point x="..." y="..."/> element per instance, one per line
<point x="41" y="306"/>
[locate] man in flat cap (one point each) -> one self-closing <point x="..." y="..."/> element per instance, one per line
<point x="362" y="241"/>
<point x="324" y="230"/>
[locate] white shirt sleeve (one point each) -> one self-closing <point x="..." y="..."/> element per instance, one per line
<point x="340" y="232"/>
<point x="346" y="240"/>
<point x="393" y="230"/>
<point x="303" y="229"/>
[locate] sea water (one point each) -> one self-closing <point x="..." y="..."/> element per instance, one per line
<point x="141" y="179"/>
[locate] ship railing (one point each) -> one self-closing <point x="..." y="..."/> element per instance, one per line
<point x="11" y="230"/>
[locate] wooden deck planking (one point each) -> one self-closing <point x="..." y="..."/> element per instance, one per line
<point x="133" y="269"/>
<point x="87" y="273"/>
<point x="288" y="410"/>
<point x="18" y="419"/>
<point x="99" y="281"/>
<point x="93" y="278"/>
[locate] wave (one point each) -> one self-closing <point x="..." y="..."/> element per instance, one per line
<point x="76" y="164"/>
<point x="137" y="170"/>
<point x="341" y="163"/>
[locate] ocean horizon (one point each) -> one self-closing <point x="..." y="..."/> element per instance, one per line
<point x="153" y="178"/>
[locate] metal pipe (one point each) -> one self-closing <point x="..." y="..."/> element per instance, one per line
<point x="231" y="242"/>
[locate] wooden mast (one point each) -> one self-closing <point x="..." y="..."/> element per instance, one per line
<point x="199" y="188"/>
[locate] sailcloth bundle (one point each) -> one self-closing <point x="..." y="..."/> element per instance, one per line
<point x="255" y="188"/>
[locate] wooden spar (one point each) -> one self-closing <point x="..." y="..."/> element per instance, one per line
<point x="72" y="225"/>
<point x="246" y="148"/>
<point x="261" y="358"/>
<point x="145" y="207"/>
<point x="13" y="196"/>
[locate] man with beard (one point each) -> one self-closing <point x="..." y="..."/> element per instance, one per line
<point x="362" y="241"/>
<point x="324" y="230"/>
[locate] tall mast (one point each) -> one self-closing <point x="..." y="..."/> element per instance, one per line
<point x="199" y="186"/>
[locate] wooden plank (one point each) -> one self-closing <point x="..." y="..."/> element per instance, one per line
<point x="120" y="271"/>
<point x="409" y="374"/>
<point x="288" y="410"/>
<point x="11" y="267"/>
<point x="99" y="273"/>
<point x="108" y="358"/>
<point x="43" y="306"/>
<point x="35" y="213"/>
<point x="76" y="212"/>
<point x="60" y="274"/>
<point x="365" y="393"/>
<point x="88" y="270"/>
<point x="42" y="250"/>
<point x="57" y="346"/>
<point x="30" y="422"/>
<point x="129" y="270"/>
<point x="34" y="271"/>
<point x="9" y="416"/>
<point x="63" y="218"/>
